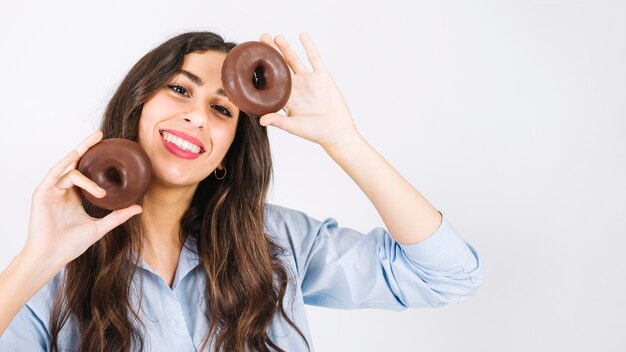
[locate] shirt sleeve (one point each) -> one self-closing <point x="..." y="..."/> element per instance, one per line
<point x="342" y="268"/>
<point x="28" y="331"/>
<point x="25" y="333"/>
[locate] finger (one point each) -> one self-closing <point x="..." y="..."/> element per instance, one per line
<point x="115" y="219"/>
<point x="75" y="178"/>
<point x="57" y="170"/>
<point x="83" y="146"/>
<point x="88" y="143"/>
<point x="277" y="120"/>
<point x="267" y="39"/>
<point x="311" y="52"/>
<point x="290" y="55"/>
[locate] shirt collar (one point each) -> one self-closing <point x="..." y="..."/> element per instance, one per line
<point x="187" y="261"/>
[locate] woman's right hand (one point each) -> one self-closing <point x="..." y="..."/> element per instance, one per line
<point x="59" y="228"/>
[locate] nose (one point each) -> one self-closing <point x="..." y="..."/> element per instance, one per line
<point x="197" y="118"/>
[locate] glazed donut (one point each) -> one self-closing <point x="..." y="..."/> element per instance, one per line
<point x="121" y="167"/>
<point x="256" y="78"/>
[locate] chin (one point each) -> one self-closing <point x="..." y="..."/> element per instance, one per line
<point x="174" y="179"/>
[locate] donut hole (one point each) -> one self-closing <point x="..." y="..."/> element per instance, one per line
<point x="259" y="78"/>
<point x="113" y="176"/>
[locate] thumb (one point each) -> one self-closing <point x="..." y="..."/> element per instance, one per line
<point x="115" y="219"/>
<point x="277" y="120"/>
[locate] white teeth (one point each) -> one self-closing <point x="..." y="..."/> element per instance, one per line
<point x="181" y="143"/>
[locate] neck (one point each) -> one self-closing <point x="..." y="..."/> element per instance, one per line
<point x="163" y="207"/>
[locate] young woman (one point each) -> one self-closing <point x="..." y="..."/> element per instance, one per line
<point x="203" y="263"/>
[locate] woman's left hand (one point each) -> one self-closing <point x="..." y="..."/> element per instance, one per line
<point x="316" y="109"/>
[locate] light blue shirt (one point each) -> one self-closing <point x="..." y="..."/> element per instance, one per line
<point x="333" y="266"/>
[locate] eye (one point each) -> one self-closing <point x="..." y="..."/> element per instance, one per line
<point x="178" y="89"/>
<point x="223" y="110"/>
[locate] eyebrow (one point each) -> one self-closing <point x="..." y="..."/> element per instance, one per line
<point x="198" y="81"/>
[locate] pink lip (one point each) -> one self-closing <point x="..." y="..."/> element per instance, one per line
<point x="174" y="149"/>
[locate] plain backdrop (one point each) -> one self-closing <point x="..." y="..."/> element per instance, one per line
<point x="509" y="116"/>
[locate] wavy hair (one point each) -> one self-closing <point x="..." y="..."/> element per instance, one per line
<point x="245" y="279"/>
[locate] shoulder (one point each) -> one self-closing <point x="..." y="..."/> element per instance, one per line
<point x="292" y="230"/>
<point x="278" y="217"/>
<point x="286" y="224"/>
<point x="278" y="221"/>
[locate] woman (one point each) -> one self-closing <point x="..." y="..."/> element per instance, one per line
<point x="207" y="264"/>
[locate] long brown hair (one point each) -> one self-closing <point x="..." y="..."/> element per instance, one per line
<point x="245" y="279"/>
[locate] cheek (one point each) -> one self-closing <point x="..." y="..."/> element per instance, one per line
<point x="145" y="136"/>
<point x="141" y="133"/>
<point x="154" y="111"/>
<point x="223" y="137"/>
<point x="157" y="106"/>
<point x="145" y="121"/>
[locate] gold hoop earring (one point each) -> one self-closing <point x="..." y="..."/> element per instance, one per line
<point x="220" y="177"/>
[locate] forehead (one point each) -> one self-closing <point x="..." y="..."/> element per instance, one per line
<point x="206" y="65"/>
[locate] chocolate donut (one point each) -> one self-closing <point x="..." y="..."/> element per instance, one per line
<point x="121" y="167"/>
<point x="256" y="78"/>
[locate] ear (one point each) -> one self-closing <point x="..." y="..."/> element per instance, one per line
<point x="220" y="166"/>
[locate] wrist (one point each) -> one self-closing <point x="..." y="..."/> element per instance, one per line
<point x="343" y="144"/>
<point x="19" y="282"/>
<point x="38" y="266"/>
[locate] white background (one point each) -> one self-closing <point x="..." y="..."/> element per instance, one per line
<point x="509" y="116"/>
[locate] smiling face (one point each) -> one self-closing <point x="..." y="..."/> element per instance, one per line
<point x="187" y="127"/>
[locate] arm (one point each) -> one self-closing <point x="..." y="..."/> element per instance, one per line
<point x="23" y="277"/>
<point x="420" y="261"/>
<point x="318" y="112"/>
<point x="408" y="216"/>
<point x="339" y="267"/>
<point x="59" y="230"/>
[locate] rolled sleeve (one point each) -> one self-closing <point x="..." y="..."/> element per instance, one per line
<point x="448" y="265"/>
<point x="26" y="333"/>
<point x="341" y="268"/>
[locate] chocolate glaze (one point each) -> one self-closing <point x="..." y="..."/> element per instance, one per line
<point x="121" y="167"/>
<point x="256" y="78"/>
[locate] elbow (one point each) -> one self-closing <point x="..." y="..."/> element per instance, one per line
<point x="438" y="277"/>
<point x="470" y="286"/>
<point x="465" y="284"/>
<point x="458" y="288"/>
<point x="437" y="290"/>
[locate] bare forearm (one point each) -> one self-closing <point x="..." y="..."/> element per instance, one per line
<point x="408" y="216"/>
<point x="317" y="111"/>
<point x="19" y="282"/>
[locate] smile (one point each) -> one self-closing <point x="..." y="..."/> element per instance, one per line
<point x="181" y="144"/>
